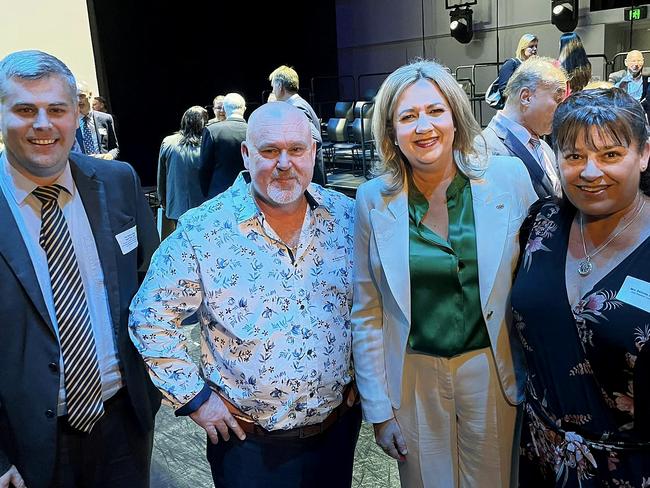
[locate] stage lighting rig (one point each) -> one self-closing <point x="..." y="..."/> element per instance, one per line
<point x="564" y="14"/>
<point x="461" y="25"/>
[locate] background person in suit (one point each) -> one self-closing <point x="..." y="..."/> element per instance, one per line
<point x="533" y="92"/>
<point x="217" y="108"/>
<point x="179" y="188"/>
<point x="285" y="83"/>
<point x="221" y="159"/>
<point x="435" y="246"/>
<point x="76" y="404"/>
<point x="96" y="132"/>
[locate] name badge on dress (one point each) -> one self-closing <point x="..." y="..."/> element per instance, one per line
<point x="635" y="292"/>
<point x="128" y="240"/>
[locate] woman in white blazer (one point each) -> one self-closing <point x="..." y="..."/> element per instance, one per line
<point x="436" y="244"/>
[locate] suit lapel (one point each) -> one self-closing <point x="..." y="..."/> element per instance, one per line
<point x="491" y="216"/>
<point x="93" y="195"/>
<point x="392" y="239"/>
<point x="537" y="174"/>
<point x="13" y="249"/>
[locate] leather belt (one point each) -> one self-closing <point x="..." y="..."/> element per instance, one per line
<point x="251" y="428"/>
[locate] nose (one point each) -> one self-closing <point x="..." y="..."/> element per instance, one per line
<point x="423" y="124"/>
<point x="42" y="121"/>
<point x="284" y="161"/>
<point x="591" y="171"/>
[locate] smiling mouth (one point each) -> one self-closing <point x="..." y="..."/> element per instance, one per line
<point x="42" y="142"/>
<point x="593" y="189"/>
<point x="426" y="142"/>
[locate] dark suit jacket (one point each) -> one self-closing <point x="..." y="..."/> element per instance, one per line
<point x="105" y="131"/>
<point x="29" y="350"/>
<point x="502" y="142"/>
<point x="221" y="159"/>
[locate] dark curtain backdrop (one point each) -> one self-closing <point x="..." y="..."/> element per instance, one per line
<point x="155" y="60"/>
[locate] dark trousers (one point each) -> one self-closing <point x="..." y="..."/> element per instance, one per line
<point x="321" y="461"/>
<point x="114" y="454"/>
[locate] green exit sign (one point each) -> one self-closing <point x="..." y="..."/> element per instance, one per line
<point x="636" y="13"/>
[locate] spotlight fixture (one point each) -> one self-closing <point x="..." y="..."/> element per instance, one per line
<point x="460" y="24"/>
<point x="564" y="14"/>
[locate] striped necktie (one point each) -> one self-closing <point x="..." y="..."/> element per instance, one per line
<point x="90" y="147"/>
<point x="82" y="379"/>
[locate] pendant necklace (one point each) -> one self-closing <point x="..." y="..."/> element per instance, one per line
<point x="586" y="266"/>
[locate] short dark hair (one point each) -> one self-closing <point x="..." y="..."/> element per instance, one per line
<point x="614" y="115"/>
<point x="34" y="65"/>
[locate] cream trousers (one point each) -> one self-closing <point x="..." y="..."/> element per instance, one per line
<point x="458" y="426"/>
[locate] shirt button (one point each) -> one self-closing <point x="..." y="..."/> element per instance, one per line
<point x="53" y="367"/>
<point x="49" y="413"/>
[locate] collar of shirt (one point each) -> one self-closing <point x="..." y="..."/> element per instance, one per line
<point x="20" y="187"/>
<point x="246" y="207"/>
<point x="519" y="131"/>
<point x="418" y="204"/>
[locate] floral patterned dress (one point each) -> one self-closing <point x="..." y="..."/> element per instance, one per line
<point x="583" y="426"/>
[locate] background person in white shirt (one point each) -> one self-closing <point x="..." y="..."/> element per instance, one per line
<point x="267" y="267"/>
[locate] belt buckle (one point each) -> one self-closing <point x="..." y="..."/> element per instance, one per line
<point x="310" y="430"/>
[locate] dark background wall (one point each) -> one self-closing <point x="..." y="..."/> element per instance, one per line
<point x="154" y="62"/>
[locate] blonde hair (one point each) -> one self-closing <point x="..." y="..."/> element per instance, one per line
<point x="523" y="44"/>
<point x="391" y="161"/>
<point x="287" y="77"/>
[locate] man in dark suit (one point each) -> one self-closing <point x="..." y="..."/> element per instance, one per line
<point x="76" y="405"/>
<point x="533" y="93"/>
<point x="221" y="159"/>
<point x="285" y="83"/>
<point x="96" y="132"/>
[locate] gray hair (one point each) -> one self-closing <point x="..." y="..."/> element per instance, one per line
<point x="234" y="103"/>
<point x="533" y="73"/>
<point x="391" y="161"/>
<point x="34" y="65"/>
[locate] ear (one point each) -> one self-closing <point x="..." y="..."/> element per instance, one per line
<point x="525" y="95"/>
<point x="645" y="155"/>
<point x="245" y="155"/>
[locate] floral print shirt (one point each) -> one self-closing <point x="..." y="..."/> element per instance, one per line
<point x="275" y="322"/>
<point x="584" y="364"/>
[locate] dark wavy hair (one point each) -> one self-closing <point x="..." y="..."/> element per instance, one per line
<point x="574" y="60"/>
<point x="611" y="113"/>
<point x="192" y="124"/>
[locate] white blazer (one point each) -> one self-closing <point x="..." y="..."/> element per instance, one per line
<point x="381" y="312"/>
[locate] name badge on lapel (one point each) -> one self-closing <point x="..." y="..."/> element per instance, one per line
<point x="635" y="292"/>
<point x="128" y="240"/>
<point x="102" y="131"/>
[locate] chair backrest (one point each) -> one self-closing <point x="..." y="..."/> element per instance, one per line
<point x="343" y="110"/>
<point x="337" y="129"/>
<point x="367" y="109"/>
<point x="356" y="130"/>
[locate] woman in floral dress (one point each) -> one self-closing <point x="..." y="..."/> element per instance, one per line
<point x="581" y="303"/>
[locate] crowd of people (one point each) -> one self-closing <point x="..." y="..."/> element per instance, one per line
<point x="483" y="303"/>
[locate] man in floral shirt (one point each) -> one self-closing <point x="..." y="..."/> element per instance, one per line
<point x="266" y="266"/>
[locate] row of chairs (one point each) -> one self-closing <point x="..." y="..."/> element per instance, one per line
<point x="348" y="145"/>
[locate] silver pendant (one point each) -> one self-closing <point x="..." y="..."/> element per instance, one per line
<point x="585" y="267"/>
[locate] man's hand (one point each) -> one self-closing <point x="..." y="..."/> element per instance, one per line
<point x="353" y="395"/>
<point x="12" y="478"/>
<point x="389" y="437"/>
<point x="213" y="416"/>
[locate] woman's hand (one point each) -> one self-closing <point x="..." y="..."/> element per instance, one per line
<point x="389" y="437"/>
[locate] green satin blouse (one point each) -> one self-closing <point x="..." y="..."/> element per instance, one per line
<point x="446" y="316"/>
